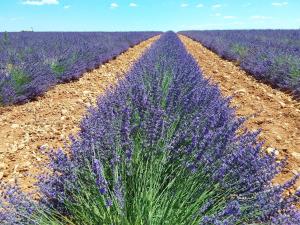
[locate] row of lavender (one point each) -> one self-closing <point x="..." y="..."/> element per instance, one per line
<point x="32" y="62"/>
<point x="272" y="56"/>
<point x="159" y="148"/>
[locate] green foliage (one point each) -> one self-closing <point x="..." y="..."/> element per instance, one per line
<point x="282" y="60"/>
<point x="291" y="62"/>
<point x="5" y="38"/>
<point x="157" y="190"/>
<point x="240" y="50"/>
<point x="19" y="78"/>
<point x="58" y="69"/>
<point x="167" y="78"/>
<point x="295" y="73"/>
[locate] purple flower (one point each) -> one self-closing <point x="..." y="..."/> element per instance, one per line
<point x="100" y="177"/>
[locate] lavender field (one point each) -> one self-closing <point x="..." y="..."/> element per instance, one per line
<point x="160" y="147"/>
<point x="32" y="62"/>
<point x="272" y="56"/>
<point x="173" y="112"/>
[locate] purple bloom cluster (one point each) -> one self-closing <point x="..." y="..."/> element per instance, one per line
<point x="272" y="56"/>
<point x="165" y="105"/>
<point x="31" y="62"/>
<point x="101" y="181"/>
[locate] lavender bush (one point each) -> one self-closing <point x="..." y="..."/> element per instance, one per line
<point x="159" y="148"/>
<point x="31" y="62"/>
<point x="272" y="56"/>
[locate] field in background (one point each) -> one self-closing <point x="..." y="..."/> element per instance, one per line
<point x="32" y="62"/>
<point x="272" y="56"/>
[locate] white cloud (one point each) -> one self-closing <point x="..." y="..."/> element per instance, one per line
<point x="280" y="4"/>
<point x="216" y="6"/>
<point x="260" y="17"/>
<point x="183" y="5"/>
<point x="229" y="17"/>
<point x="133" y="4"/>
<point x="16" y="19"/>
<point x="217" y="14"/>
<point x="41" y="2"/>
<point x="200" y="5"/>
<point x="67" y="6"/>
<point x="114" y="5"/>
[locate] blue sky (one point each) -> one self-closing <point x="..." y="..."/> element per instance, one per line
<point x="126" y="15"/>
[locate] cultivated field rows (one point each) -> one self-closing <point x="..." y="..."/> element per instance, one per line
<point x="27" y="130"/>
<point x="48" y="121"/>
<point x="271" y="56"/>
<point x="276" y="113"/>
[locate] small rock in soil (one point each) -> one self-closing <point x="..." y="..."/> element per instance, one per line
<point x="240" y="91"/>
<point x="282" y="104"/>
<point x="296" y="155"/>
<point x="43" y="147"/>
<point x="64" y="112"/>
<point x="21" y="146"/>
<point x="86" y="92"/>
<point x="3" y="166"/>
<point x="14" y="126"/>
<point x="271" y="150"/>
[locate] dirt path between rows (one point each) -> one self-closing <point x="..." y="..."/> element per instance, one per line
<point x="48" y="122"/>
<point x="276" y="113"/>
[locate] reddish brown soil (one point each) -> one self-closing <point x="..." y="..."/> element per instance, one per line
<point x="53" y="117"/>
<point x="275" y="112"/>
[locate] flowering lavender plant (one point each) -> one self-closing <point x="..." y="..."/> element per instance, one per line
<point x="160" y="148"/>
